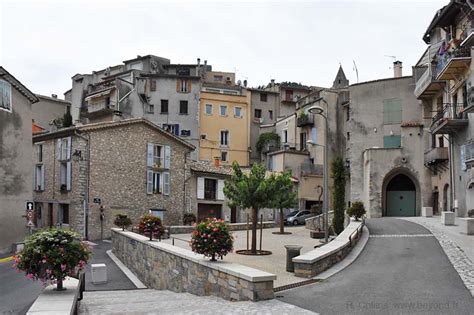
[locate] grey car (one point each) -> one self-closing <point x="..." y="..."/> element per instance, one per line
<point x="298" y="217"/>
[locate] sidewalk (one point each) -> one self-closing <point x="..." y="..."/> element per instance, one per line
<point x="459" y="247"/>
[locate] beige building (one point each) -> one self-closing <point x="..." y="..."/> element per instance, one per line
<point x="85" y="175"/>
<point x="15" y="158"/>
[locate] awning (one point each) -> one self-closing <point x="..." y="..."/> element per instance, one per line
<point x="99" y="93"/>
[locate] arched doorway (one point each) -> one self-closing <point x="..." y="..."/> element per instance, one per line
<point x="400" y="197"/>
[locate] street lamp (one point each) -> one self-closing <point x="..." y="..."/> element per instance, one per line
<point x="318" y="110"/>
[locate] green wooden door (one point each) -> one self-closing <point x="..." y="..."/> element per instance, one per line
<point x="401" y="203"/>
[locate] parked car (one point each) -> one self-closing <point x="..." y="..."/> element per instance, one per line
<point x="297" y="217"/>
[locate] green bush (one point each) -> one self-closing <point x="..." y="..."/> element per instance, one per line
<point x="356" y="210"/>
<point x="212" y="239"/>
<point x="121" y="220"/>
<point x="52" y="255"/>
<point x="265" y="138"/>
<point x="338" y="174"/>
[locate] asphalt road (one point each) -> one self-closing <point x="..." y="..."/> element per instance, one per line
<point x="392" y="275"/>
<point x="16" y="292"/>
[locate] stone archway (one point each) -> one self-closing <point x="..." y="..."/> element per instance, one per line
<point x="400" y="194"/>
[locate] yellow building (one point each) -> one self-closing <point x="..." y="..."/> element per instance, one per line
<point x="224" y="123"/>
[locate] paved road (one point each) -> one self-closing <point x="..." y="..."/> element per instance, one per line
<point x="16" y="292"/>
<point x="402" y="270"/>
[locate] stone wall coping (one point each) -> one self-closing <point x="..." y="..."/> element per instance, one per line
<point x="51" y="301"/>
<point x="239" y="271"/>
<point x="230" y="224"/>
<point x="340" y="242"/>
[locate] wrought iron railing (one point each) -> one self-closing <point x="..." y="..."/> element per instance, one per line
<point x="450" y="111"/>
<point x="444" y="59"/>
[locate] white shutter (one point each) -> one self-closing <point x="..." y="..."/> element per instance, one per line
<point x="149" y="154"/>
<point x="220" y="189"/>
<point x="314" y="135"/>
<point x="166" y="183"/>
<point x="58" y="149"/>
<point x="68" y="149"/>
<point x="68" y="175"/>
<point x="463" y="157"/>
<point x="149" y="182"/>
<point x="167" y="156"/>
<point x="42" y="177"/>
<point x="200" y="187"/>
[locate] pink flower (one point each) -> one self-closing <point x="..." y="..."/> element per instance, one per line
<point x="216" y="229"/>
<point x="44" y="261"/>
<point x="215" y="241"/>
<point x="29" y="276"/>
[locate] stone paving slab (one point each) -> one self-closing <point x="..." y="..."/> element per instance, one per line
<point x="138" y="302"/>
<point x="455" y="247"/>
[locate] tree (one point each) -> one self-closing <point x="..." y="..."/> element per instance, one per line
<point x="250" y="190"/>
<point x="338" y="174"/>
<point x="67" y="120"/>
<point x="283" y="195"/>
<point x="356" y="210"/>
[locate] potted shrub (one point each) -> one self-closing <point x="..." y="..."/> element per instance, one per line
<point x="212" y="239"/>
<point x="151" y="226"/>
<point x="189" y="218"/>
<point x="356" y="210"/>
<point x="121" y="220"/>
<point x="52" y="255"/>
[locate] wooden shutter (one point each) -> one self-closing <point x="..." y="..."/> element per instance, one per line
<point x="153" y="85"/>
<point x="68" y="175"/>
<point x="167" y="156"/>
<point x="149" y="182"/>
<point x="166" y="183"/>
<point x="58" y="149"/>
<point x="68" y="149"/>
<point x="178" y="81"/>
<point x="220" y="189"/>
<point x="149" y="154"/>
<point x="42" y="177"/>
<point x="189" y="86"/>
<point x="200" y="188"/>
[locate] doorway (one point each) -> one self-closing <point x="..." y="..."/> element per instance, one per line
<point x="401" y="197"/>
<point x="206" y="210"/>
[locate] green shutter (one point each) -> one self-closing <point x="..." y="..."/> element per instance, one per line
<point x="392" y="111"/>
<point x="392" y="141"/>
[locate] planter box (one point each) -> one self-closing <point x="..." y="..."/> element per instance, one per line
<point x="427" y="212"/>
<point x="467" y="225"/>
<point x="448" y="217"/>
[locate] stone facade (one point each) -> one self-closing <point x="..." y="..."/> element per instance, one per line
<point x="109" y="162"/>
<point x="166" y="267"/>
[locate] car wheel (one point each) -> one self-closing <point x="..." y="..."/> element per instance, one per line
<point x="296" y="222"/>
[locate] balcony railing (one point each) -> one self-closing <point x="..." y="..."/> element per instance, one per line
<point x="450" y="119"/>
<point x="100" y="86"/>
<point x="427" y="85"/>
<point x="449" y="60"/>
<point x="304" y="120"/>
<point x="467" y="35"/>
<point x="436" y="155"/>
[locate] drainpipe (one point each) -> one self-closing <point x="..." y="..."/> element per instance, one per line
<point x="451" y="173"/>
<point x="86" y="195"/>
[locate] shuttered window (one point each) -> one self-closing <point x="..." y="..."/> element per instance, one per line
<point x="5" y="95"/>
<point x="392" y="141"/>
<point x="392" y="111"/>
<point x="157" y="172"/>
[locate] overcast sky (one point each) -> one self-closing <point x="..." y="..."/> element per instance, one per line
<point x="44" y="43"/>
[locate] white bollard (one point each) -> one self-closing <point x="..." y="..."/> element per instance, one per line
<point x="99" y="273"/>
<point x="427" y="212"/>
<point x="447" y="217"/>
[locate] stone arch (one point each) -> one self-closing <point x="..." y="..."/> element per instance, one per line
<point x="388" y="179"/>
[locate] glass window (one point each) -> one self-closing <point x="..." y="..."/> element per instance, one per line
<point x="263" y="97"/>
<point x="183" y="107"/>
<point x="164" y="106"/>
<point x="208" y="109"/>
<point x="270" y="114"/>
<point x="238" y="112"/>
<point x="224" y="137"/>
<point x="223" y="110"/>
<point x="258" y="113"/>
<point x="210" y="187"/>
<point x="224" y="156"/>
<point x="183" y="86"/>
<point x="64" y="213"/>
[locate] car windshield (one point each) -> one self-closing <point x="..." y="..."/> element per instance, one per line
<point x="292" y="213"/>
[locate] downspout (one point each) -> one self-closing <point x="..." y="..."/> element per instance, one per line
<point x="86" y="195"/>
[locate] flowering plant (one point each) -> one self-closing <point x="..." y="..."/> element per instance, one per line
<point x="51" y="255"/>
<point x="151" y="225"/>
<point x="122" y="221"/>
<point x="212" y="238"/>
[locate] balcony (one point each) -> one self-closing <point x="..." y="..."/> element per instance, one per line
<point x="304" y="120"/>
<point x="311" y="169"/>
<point x="289" y="99"/>
<point x="427" y="86"/>
<point x="99" y="103"/>
<point x="453" y="63"/>
<point x="449" y="120"/>
<point x="436" y="155"/>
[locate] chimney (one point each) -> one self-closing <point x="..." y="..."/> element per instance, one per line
<point x="205" y="62"/>
<point x="54" y="95"/>
<point x="245" y="83"/>
<point x="272" y="81"/>
<point x="397" y="69"/>
<point x="199" y="61"/>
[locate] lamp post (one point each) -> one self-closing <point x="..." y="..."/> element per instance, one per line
<point x="318" y="110"/>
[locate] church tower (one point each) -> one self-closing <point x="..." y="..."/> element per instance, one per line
<point x="340" y="81"/>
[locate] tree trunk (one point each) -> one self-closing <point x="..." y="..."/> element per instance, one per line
<point x="254" y="230"/>
<point x="59" y="285"/>
<point x="282" y="225"/>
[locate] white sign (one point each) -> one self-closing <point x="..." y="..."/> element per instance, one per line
<point x="30" y="205"/>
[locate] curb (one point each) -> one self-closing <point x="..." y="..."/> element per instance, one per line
<point x="126" y="271"/>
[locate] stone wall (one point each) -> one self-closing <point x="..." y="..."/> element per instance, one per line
<point x="165" y="267"/>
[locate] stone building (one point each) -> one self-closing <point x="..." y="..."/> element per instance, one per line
<point x="444" y="84"/>
<point x="386" y="138"/>
<point x="15" y="158"/>
<point x="147" y="86"/>
<point x="48" y="109"/>
<point x="290" y="93"/>
<point x="87" y="174"/>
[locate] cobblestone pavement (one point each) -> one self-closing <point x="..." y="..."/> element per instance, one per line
<point x="463" y="265"/>
<point x="135" y="302"/>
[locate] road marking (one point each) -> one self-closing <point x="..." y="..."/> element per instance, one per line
<point x="402" y="235"/>
<point x="6" y="259"/>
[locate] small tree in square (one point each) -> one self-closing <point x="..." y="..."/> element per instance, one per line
<point x="283" y="195"/>
<point x="121" y="220"/>
<point x="212" y="239"/>
<point x="151" y="226"/>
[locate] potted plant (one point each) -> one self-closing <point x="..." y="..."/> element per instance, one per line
<point x="151" y="226"/>
<point x="121" y="220"/>
<point x="52" y="255"/>
<point x="212" y="239"/>
<point x="189" y="218"/>
<point x="356" y="210"/>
